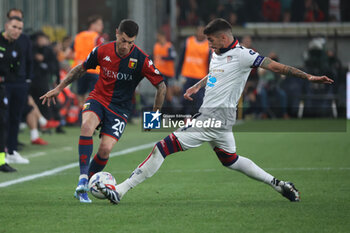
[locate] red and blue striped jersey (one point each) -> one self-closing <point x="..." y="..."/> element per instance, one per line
<point x="119" y="76"/>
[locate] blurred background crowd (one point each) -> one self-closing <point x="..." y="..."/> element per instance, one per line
<point x="309" y="34"/>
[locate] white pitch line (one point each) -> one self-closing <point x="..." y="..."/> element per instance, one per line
<point x="69" y="166"/>
<point x="38" y="154"/>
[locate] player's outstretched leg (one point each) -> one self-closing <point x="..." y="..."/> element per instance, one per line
<point x="249" y="168"/>
<point x="152" y="163"/>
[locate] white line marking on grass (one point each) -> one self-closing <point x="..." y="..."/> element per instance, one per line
<point x="38" y="154"/>
<point x="72" y="165"/>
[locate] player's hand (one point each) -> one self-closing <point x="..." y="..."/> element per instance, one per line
<point x="190" y="91"/>
<point x="50" y="96"/>
<point x="320" y="79"/>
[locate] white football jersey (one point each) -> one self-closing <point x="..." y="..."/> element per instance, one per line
<point x="228" y="74"/>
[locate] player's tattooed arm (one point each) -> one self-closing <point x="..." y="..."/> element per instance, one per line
<point x="160" y="95"/>
<point x="277" y="67"/>
<point x="195" y="88"/>
<point x="73" y="75"/>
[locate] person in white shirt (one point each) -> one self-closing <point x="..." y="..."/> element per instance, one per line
<point x="229" y="69"/>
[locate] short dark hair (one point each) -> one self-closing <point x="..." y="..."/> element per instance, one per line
<point x="14" y="18"/>
<point x="217" y="25"/>
<point x="14" y="9"/>
<point x="92" y="19"/>
<point x="129" y="27"/>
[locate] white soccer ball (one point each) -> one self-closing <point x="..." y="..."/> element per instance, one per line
<point x="104" y="177"/>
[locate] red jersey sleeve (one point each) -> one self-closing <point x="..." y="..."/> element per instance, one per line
<point x="151" y="72"/>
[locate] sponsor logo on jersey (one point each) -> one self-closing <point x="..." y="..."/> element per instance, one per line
<point x="229" y="59"/>
<point x="107" y="58"/>
<point x="151" y="120"/>
<point x="211" y="81"/>
<point x="217" y="71"/>
<point x="132" y="63"/>
<point x="116" y="75"/>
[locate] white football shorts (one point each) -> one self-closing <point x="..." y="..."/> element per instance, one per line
<point x="217" y="137"/>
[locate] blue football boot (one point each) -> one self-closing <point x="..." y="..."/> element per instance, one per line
<point x="81" y="191"/>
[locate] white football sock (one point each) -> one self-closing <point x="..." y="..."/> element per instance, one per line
<point x="83" y="176"/>
<point x="42" y="121"/>
<point x="249" y="168"/>
<point x="34" y="134"/>
<point x="145" y="170"/>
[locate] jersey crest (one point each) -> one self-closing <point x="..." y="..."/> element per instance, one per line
<point x="132" y="63"/>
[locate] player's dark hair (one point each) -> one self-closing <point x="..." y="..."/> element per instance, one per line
<point x="92" y="19"/>
<point x="129" y="27"/>
<point x="217" y="25"/>
<point x="14" y="18"/>
<point x="14" y="9"/>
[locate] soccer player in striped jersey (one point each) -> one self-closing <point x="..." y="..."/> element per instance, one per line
<point x="122" y="66"/>
<point x="229" y="69"/>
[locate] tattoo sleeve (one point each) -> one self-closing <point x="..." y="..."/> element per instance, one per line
<point x="201" y="83"/>
<point x="160" y="95"/>
<point x="283" y="69"/>
<point x="288" y="70"/>
<point x="73" y="75"/>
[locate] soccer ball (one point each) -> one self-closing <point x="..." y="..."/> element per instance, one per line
<point x="104" y="177"/>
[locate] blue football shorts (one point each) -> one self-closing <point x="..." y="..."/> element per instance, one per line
<point x="111" y="123"/>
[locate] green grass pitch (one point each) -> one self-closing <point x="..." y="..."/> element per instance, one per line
<point x="192" y="192"/>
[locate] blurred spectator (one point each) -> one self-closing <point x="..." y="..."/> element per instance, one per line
<point x="232" y="18"/>
<point x="83" y="44"/>
<point x="247" y="42"/>
<point x="194" y="65"/>
<point x="271" y="10"/>
<point x="334" y="10"/>
<point x="45" y="67"/>
<point x="273" y="99"/>
<point x="313" y="13"/>
<point x="164" y="55"/>
<point x="286" y="6"/>
<point x="335" y="65"/>
<point x="250" y="92"/>
<point x="238" y="12"/>
<point x="251" y="106"/>
<point x="33" y="117"/>
<point x="188" y="15"/>
<point x="16" y="92"/>
<point x="317" y="61"/>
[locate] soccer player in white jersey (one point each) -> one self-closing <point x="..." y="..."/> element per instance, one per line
<point x="229" y="69"/>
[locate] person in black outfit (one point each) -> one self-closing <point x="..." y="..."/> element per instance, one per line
<point x="10" y="57"/>
<point x="45" y="66"/>
<point x="16" y="92"/>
